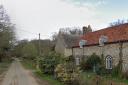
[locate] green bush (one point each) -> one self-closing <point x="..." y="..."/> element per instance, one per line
<point x="49" y="62"/>
<point x="83" y="65"/>
<point x="102" y="71"/>
<point x="93" y="60"/>
<point x="113" y="72"/>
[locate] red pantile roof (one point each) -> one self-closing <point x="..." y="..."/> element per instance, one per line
<point x="114" y="34"/>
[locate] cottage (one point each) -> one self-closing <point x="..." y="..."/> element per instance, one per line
<point x="114" y="49"/>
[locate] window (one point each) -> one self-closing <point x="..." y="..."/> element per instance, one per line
<point x="108" y="62"/>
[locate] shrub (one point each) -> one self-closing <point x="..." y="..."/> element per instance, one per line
<point x="49" y="62"/>
<point x="113" y="72"/>
<point x="67" y="72"/>
<point x="102" y="71"/>
<point x="93" y="60"/>
<point x="83" y="65"/>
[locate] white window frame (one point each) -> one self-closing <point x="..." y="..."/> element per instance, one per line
<point x="109" y="62"/>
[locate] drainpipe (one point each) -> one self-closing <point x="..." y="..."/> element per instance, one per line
<point x="83" y="50"/>
<point x="72" y="51"/>
<point x="120" y="55"/>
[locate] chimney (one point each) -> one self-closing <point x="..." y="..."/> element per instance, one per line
<point x="87" y="29"/>
<point x="84" y="30"/>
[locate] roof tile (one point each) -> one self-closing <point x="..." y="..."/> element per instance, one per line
<point x="114" y="34"/>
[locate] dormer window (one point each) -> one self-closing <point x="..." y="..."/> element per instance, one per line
<point x="82" y="43"/>
<point x="103" y="39"/>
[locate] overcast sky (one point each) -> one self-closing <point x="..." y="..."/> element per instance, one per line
<point x="47" y="16"/>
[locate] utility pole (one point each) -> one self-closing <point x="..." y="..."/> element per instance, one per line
<point x="39" y="53"/>
<point x="39" y="46"/>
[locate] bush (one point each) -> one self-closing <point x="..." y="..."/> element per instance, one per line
<point x="102" y="71"/>
<point x="83" y="65"/>
<point x="67" y="72"/>
<point x="49" y="62"/>
<point x="113" y="72"/>
<point x="93" y="60"/>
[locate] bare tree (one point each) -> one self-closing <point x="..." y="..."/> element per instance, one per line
<point x="54" y="36"/>
<point x="118" y="22"/>
<point x="75" y="31"/>
<point x="71" y="31"/>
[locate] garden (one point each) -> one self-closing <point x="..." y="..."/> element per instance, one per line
<point x="60" y="70"/>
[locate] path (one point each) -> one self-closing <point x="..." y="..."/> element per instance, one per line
<point x="17" y="75"/>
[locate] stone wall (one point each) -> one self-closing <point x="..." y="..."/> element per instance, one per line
<point x="109" y="49"/>
<point x="125" y="56"/>
<point x="68" y="52"/>
<point x="60" y="46"/>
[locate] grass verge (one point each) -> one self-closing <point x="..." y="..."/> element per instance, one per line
<point x="48" y="78"/>
<point x="4" y="66"/>
<point x="104" y="80"/>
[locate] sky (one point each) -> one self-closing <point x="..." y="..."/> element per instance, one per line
<point x="32" y="17"/>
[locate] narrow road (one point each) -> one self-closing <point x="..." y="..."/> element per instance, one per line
<point x="17" y="75"/>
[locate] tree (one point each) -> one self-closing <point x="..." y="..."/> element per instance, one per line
<point x="29" y="51"/>
<point x="54" y="37"/>
<point x="45" y="45"/>
<point x="71" y="31"/>
<point x="75" y="31"/>
<point x="7" y="34"/>
<point x="25" y="47"/>
<point x="118" y="22"/>
<point x="17" y="51"/>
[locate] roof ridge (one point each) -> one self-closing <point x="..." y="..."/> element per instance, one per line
<point x="107" y="28"/>
<point x="115" y="33"/>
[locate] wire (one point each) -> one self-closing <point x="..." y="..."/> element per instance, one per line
<point x="19" y="29"/>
